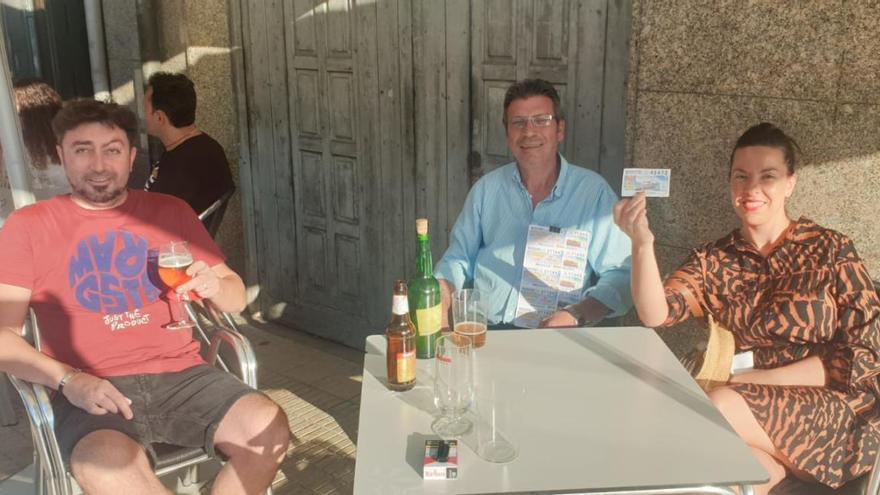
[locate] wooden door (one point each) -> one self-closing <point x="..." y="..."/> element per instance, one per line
<point x="561" y="41"/>
<point x="365" y="114"/>
<point x="313" y="105"/>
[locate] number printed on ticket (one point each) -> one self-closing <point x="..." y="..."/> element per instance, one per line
<point x="654" y="182"/>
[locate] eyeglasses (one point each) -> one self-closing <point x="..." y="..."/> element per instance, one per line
<point x="537" y="121"/>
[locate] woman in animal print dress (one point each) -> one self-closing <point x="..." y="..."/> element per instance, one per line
<point x="799" y="297"/>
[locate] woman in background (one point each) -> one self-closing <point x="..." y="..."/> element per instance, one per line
<point x="37" y="103"/>
<point x="799" y="297"/>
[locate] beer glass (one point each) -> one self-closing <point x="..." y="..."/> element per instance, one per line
<point x="453" y="385"/>
<point x="174" y="259"/>
<point x="469" y="315"/>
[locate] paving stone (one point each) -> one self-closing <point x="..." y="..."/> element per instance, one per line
<point x="345" y="387"/>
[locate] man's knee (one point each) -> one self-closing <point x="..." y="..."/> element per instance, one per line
<point x="254" y="425"/>
<point x="99" y="459"/>
<point x="277" y="431"/>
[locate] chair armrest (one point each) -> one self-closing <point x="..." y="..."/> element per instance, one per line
<point x="241" y="347"/>
<point x="223" y="330"/>
<point x="41" y="417"/>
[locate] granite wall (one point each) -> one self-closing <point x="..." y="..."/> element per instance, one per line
<point x="703" y="72"/>
<point x="190" y="36"/>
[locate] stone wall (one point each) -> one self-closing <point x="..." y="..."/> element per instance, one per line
<point x="190" y="36"/>
<point x="703" y="72"/>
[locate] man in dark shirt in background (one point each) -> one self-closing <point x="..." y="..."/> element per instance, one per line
<point x="193" y="166"/>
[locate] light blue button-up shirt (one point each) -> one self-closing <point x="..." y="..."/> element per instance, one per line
<point x="489" y="238"/>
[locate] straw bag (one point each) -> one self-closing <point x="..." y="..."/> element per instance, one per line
<point x="711" y="367"/>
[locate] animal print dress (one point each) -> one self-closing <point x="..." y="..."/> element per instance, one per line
<point x="811" y="296"/>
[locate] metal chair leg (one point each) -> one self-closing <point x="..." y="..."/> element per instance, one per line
<point x="190" y="475"/>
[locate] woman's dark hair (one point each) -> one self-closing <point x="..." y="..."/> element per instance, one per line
<point x="81" y="111"/>
<point x="37" y="105"/>
<point x="767" y="134"/>
<point x="532" y="87"/>
<point x="175" y="95"/>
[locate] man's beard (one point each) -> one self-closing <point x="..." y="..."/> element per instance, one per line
<point x="98" y="195"/>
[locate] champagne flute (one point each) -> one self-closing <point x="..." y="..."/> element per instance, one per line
<point x="174" y="259"/>
<point x="453" y="384"/>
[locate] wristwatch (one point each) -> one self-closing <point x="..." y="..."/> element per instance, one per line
<point x="582" y="321"/>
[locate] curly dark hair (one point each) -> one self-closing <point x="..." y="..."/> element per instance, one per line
<point x="37" y="104"/>
<point x="81" y="111"/>
<point x="767" y="134"/>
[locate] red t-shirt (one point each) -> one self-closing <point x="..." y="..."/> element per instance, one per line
<point x="94" y="284"/>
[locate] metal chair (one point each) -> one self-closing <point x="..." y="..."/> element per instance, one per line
<point x="212" y="217"/>
<point x="223" y="346"/>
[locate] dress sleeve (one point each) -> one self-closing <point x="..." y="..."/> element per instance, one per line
<point x="684" y="290"/>
<point x="852" y="359"/>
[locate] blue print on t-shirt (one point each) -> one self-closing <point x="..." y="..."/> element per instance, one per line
<point x="109" y="275"/>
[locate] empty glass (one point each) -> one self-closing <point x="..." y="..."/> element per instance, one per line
<point x="499" y="409"/>
<point x="453" y="385"/>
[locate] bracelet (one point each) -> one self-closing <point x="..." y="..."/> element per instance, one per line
<point x="66" y="378"/>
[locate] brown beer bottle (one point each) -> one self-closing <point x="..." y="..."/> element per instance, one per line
<point x="401" y="336"/>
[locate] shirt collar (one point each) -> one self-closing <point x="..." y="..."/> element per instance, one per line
<point x="799" y="232"/>
<point x="558" y="188"/>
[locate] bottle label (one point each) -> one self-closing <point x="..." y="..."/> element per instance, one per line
<point x="428" y="320"/>
<point x="399" y="305"/>
<point x="406" y="366"/>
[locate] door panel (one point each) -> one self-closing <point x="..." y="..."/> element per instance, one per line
<point x="314" y="159"/>
<point x="520" y="39"/>
<point x="496" y="139"/>
<point x="324" y="67"/>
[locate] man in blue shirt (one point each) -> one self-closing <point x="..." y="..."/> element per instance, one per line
<point x="541" y="188"/>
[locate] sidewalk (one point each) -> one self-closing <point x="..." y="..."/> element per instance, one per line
<point x="317" y="383"/>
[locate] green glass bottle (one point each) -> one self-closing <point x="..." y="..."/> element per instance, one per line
<point x="424" y="295"/>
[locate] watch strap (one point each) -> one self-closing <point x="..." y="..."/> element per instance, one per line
<point x="573" y="311"/>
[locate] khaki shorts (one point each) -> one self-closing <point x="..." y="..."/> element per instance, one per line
<point x="182" y="408"/>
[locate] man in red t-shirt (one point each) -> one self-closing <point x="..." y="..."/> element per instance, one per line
<point x="86" y="263"/>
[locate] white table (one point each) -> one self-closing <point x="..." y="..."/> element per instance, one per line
<point x="607" y="410"/>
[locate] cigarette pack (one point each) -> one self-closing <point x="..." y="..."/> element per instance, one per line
<point x="441" y="460"/>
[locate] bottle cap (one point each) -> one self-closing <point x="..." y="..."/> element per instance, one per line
<point x="422" y="226"/>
